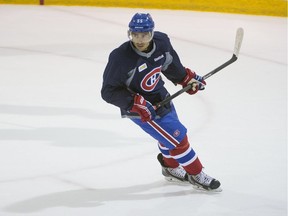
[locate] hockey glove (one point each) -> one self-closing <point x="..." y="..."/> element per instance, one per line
<point x="143" y="108"/>
<point x="195" y="80"/>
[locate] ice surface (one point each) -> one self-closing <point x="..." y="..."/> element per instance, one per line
<point x="64" y="151"/>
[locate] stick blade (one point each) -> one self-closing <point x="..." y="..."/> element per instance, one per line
<point x="238" y="41"/>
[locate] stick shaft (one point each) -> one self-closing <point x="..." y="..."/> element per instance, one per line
<point x="168" y="99"/>
<point x="237" y="46"/>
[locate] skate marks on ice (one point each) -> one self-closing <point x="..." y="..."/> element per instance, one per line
<point x="36" y="124"/>
<point x="93" y="197"/>
<point x="26" y="110"/>
<point x="139" y="194"/>
<point x="65" y="136"/>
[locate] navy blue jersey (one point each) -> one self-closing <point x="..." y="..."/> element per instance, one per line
<point x="130" y="71"/>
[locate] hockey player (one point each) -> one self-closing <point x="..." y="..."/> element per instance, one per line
<point x="132" y="81"/>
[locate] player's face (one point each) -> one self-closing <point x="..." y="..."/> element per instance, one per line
<point x="141" y="39"/>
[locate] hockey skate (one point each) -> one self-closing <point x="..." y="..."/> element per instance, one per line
<point x="177" y="174"/>
<point x="205" y="182"/>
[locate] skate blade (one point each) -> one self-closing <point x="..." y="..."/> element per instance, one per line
<point x="175" y="180"/>
<point x="199" y="188"/>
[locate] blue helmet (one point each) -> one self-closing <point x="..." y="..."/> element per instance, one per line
<point x="141" y="22"/>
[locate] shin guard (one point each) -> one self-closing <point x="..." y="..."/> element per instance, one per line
<point x="186" y="157"/>
<point x="168" y="160"/>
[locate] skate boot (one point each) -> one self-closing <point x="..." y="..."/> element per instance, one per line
<point x="177" y="174"/>
<point x="203" y="181"/>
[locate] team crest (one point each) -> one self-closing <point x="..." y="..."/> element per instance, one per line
<point x="151" y="79"/>
<point x="176" y="133"/>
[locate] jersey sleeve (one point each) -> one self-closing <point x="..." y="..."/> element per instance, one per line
<point x="114" y="89"/>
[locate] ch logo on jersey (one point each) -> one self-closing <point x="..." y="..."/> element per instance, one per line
<point x="151" y="79"/>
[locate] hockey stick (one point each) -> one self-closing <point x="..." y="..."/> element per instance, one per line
<point x="237" y="46"/>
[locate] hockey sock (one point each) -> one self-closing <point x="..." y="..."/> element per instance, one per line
<point x="168" y="160"/>
<point x="186" y="157"/>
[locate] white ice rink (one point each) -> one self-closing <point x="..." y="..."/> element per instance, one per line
<point x="64" y="151"/>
